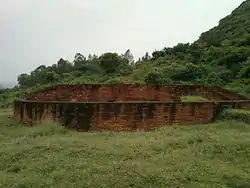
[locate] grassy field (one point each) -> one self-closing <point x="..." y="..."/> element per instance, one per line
<point x="215" y="155"/>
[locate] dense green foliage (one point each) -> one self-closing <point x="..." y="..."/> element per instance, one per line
<point x="220" y="56"/>
<point x="213" y="155"/>
<point x="236" y="114"/>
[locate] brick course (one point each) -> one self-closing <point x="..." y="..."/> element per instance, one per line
<point x="130" y="92"/>
<point x="123" y="107"/>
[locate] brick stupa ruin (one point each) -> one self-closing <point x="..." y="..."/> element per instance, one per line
<point x="124" y="107"/>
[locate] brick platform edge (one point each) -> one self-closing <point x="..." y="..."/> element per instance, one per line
<point x="130" y="92"/>
<point x="121" y="107"/>
<point x="120" y="116"/>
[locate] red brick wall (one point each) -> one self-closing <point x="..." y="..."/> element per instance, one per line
<point x="100" y="115"/>
<point x="163" y="114"/>
<point x="105" y="93"/>
<point x="114" y="116"/>
<point x="130" y="92"/>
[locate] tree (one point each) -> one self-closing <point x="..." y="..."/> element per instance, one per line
<point x="63" y="66"/>
<point x="79" y="60"/>
<point x="128" y="56"/>
<point x="40" y="68"/>
<point x="156" y="77"/>
<point x="180" y="47"/>
<point x="24" y="80"/>
<point x="245" y="71"/>
<point x="109" y="62"/>
<point x="146" y="57"/>
<point x="52" y="77"/>
<point x="92" y="57"/>
<point x="158" y="54"/>
<point x="187" y="72"/>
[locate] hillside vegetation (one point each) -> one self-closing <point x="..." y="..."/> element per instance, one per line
<point x="220" y="56"/>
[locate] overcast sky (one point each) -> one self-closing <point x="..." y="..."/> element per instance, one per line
<point x="35" y="32"/>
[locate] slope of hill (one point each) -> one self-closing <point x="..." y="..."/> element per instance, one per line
<point x="220" y="56"/>
<point x="232" y="30"/>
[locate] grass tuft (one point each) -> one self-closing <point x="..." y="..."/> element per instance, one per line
<point x="193" y="98"/>
<point x="236" y="114"/>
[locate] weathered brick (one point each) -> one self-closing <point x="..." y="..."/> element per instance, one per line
<point x="158" y="106"/>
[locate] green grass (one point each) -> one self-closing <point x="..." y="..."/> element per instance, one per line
<point x="4" y="112"/>
<point x="236" y="114"/>
<point x="213" y="155"/>
<point x="239" y="111"/>
<point x="192" y="98"/>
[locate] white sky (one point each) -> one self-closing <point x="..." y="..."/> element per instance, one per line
<point x="36" y="32"/>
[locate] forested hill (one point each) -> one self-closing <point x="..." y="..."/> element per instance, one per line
<point x="233" y="30"/>
<point x="220" y="56"/>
